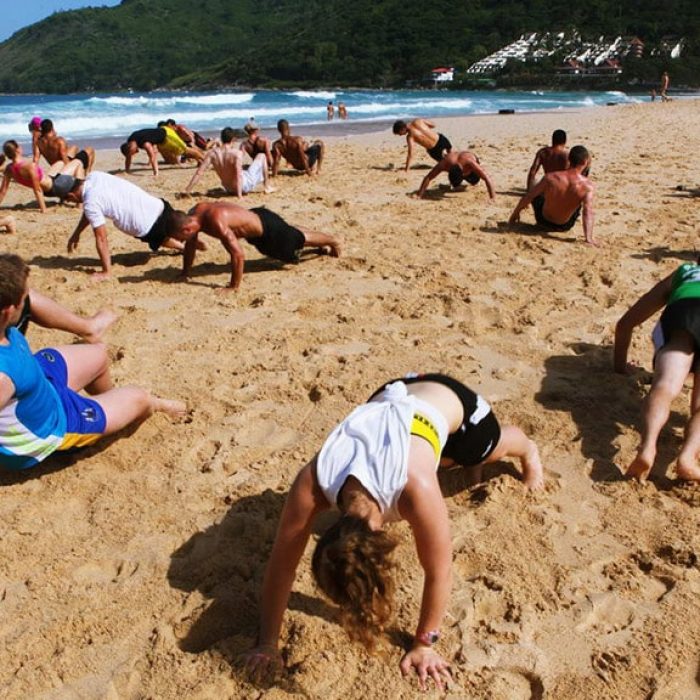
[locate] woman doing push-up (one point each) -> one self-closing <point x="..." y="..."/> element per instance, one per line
<point x="380" y="464"/>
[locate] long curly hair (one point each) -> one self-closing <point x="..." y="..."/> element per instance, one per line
<point x="352" y="566"/>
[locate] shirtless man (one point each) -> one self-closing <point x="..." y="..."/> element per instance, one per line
<point x="227" y="161"/>
<point x="558" y="197"/>
<point x="256" y="144"/>
<point x="459" y="166"/>
<point x="552" y="158"/>
<point x="421" y="131"/>
<point x="296" y="151"/>
<point x="665" y="82"/>
<point x="263" y="229"/>
<point x="54" y="148"/>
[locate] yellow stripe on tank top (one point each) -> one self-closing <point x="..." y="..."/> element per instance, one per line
<point x="422" y="427"/>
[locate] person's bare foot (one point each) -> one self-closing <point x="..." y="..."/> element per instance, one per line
<point x="533" y="473"/>
<point x="687" y="469"/>
<point x="99" y="324"/>
<point x="172" y="407"/>
<point x="334" y="249"/>
<point x="269" y="189"/>
<point x="640" y="466"/>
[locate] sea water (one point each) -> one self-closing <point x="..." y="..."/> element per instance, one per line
<point x="100" y="116"/>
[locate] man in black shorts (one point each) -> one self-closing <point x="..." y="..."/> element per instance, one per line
<point x="264" y="229"/>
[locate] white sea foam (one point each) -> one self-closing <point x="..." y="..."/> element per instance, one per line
<point x="314" y="94"/>
<point x="142" y="101"/>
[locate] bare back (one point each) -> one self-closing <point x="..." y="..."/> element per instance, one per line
<point x="224" y="160"/>
<point x="54" y="148"/>
<point x="422" y="133"/>
<point x="292" y="148"/>
<point x="215" y="217"/>
<point x="554" y="158"/>
<point x="564" y="193"/>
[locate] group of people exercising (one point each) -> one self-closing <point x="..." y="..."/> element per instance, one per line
<point x="381" y="462"/>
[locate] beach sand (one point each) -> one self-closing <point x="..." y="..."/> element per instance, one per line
<point x="134" y="570"/>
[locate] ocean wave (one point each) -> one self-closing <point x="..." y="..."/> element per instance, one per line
<point x="314" y="94"/>
<point x="142" y="101"/>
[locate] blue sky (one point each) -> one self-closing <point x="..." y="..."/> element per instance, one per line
<point x="19" y="13"/>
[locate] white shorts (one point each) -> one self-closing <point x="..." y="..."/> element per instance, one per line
<point x="254" y="175"/>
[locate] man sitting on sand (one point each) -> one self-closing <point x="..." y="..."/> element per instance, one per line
<point x="296" y="151"/>
<point x="227" y="161"/>
<point x="677" y="341"/>
<point x="40" y="409"/>
<point x="54" y="148"/>
<point x="460" y="166"/>
<point x="255" y="144"/>
<point x="421" y="131"/>
<point x="132" y="210"/>
<point x="263" y="229"/>
<point x="558" y="197"/>
<point x="168" y="143"/>
<point x="551" y="158"/>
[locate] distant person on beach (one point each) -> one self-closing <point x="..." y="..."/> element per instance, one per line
<point x="262" y="228"/>
<point x="255" y="144"/>
<point x="330" y="111"/>
<point x="54" y="148"/>
<point x="56" y="182"/>
<point x="35" y="130"/>
<point x="460" y="166"/>
<point x="557" y="199"/>
<point x="677" y="353"/>
<point x="40" y="408"/>
<point x="381" y="464"/>
<point x="652" y="94"/>
<point x="296" y="151"/>
<point x="422" y="132"/>
<point x="342" y="111"/>
<point x="227" y="161"/>
<point x="665" y="82"/>
<point x="550" y="158"/>
<point x="131" y="209"/>
<point x="161" y="139"/>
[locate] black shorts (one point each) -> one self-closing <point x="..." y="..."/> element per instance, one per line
<point x="437" y="152"/>
<point x="538" y="206"/>
<point x="160" y="229"/>
<point x="83" y="157"/>
<point x="25" y="317"/>
<point x="279" y="240"/>
<point x="474" y="441"/>
<point x="313" y="153"/>
<point x="683" y="315"/>
<point x="61" y="186"/>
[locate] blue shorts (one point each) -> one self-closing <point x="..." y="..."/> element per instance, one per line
<point x="86" y="421"/>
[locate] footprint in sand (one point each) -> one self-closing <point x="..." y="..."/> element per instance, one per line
<point x="104" y="572"/>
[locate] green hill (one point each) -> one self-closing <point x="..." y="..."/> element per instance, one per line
<point x="144" y="44"/>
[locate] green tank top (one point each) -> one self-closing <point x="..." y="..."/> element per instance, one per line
<point x="685" y="283"/>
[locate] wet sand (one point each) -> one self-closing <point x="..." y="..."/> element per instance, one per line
<point x="134" y="571"/>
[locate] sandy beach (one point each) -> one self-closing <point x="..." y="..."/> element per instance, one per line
<point x="134" y="571"/>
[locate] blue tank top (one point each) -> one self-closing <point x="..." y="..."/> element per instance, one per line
<point x="33" y="422"/>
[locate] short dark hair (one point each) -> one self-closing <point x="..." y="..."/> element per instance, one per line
<point x="578" y="155"/>
<point x="227" y="134"/>
<point x="162" y="123"/>
<point x="124" y="148"/>
<point x="170" y="122"/>
<point x="399" y="126"/>
<point x="13" y="279"/>
<point x="176" y="220"/>
<point x="46" y="126"/>
<point x="455" y="175"/>
<point x="282" y="124"/>
<point x="559" y="137"/>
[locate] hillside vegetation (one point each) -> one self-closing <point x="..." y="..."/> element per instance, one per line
<point x="144" y="44"/>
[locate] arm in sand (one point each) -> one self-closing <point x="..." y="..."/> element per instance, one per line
<point x="75" y="236"/>
<point x="644" y="308"/>
<point x="36" y="186"/>
<point x="439" y="168"/>
<point x="588" y="216"/>
<point x="424" y="508"/>
<point x="409" y="154"/>
<point x="304" y="501"/>
<point x="476" y="167"/>
<point x="276" y="157"/>
<point x="198" y="173"/>
<point x="102" y="246"/>
<point x="5" y="183"/>
<point x="526" y="200"/>
<point x="536" y="165"/>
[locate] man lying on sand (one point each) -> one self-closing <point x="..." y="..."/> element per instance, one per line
<point x="677" y="338"/>
<point x="422" y="132"/>
<point x="262" y="228"/>
<point x="165" y="140"/>
<point x="40" y="409"/>
<point x="54" y="148"/>
<point x="227" y="161"/>
<point x="558" y="197"/>
<point x="550" y="158"/>
<point x="379" y="465"/>
<point x="460" y="166"/>
<point x="296" y="151"/>
<point x="132" y="211"/>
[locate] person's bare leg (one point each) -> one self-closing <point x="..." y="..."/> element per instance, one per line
<point x="672" y="365"/>
<point x="49" y="314"/>
<point x="316" y="239"/>
<point x="88" y="367"/>
<point x="322" y="153"/>
<point x="128" y="404"/>
<point x="266" y="178"/>
<point x="686" y="466"/>
<point x="514" y="443"/>
<point x="194" y="152"/>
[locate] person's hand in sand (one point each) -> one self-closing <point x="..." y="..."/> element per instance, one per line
<point x="380" y="464"/>
<point x="427" y="664"/>
<point x="676" y="340"/>
<point x="262" y="663"/>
